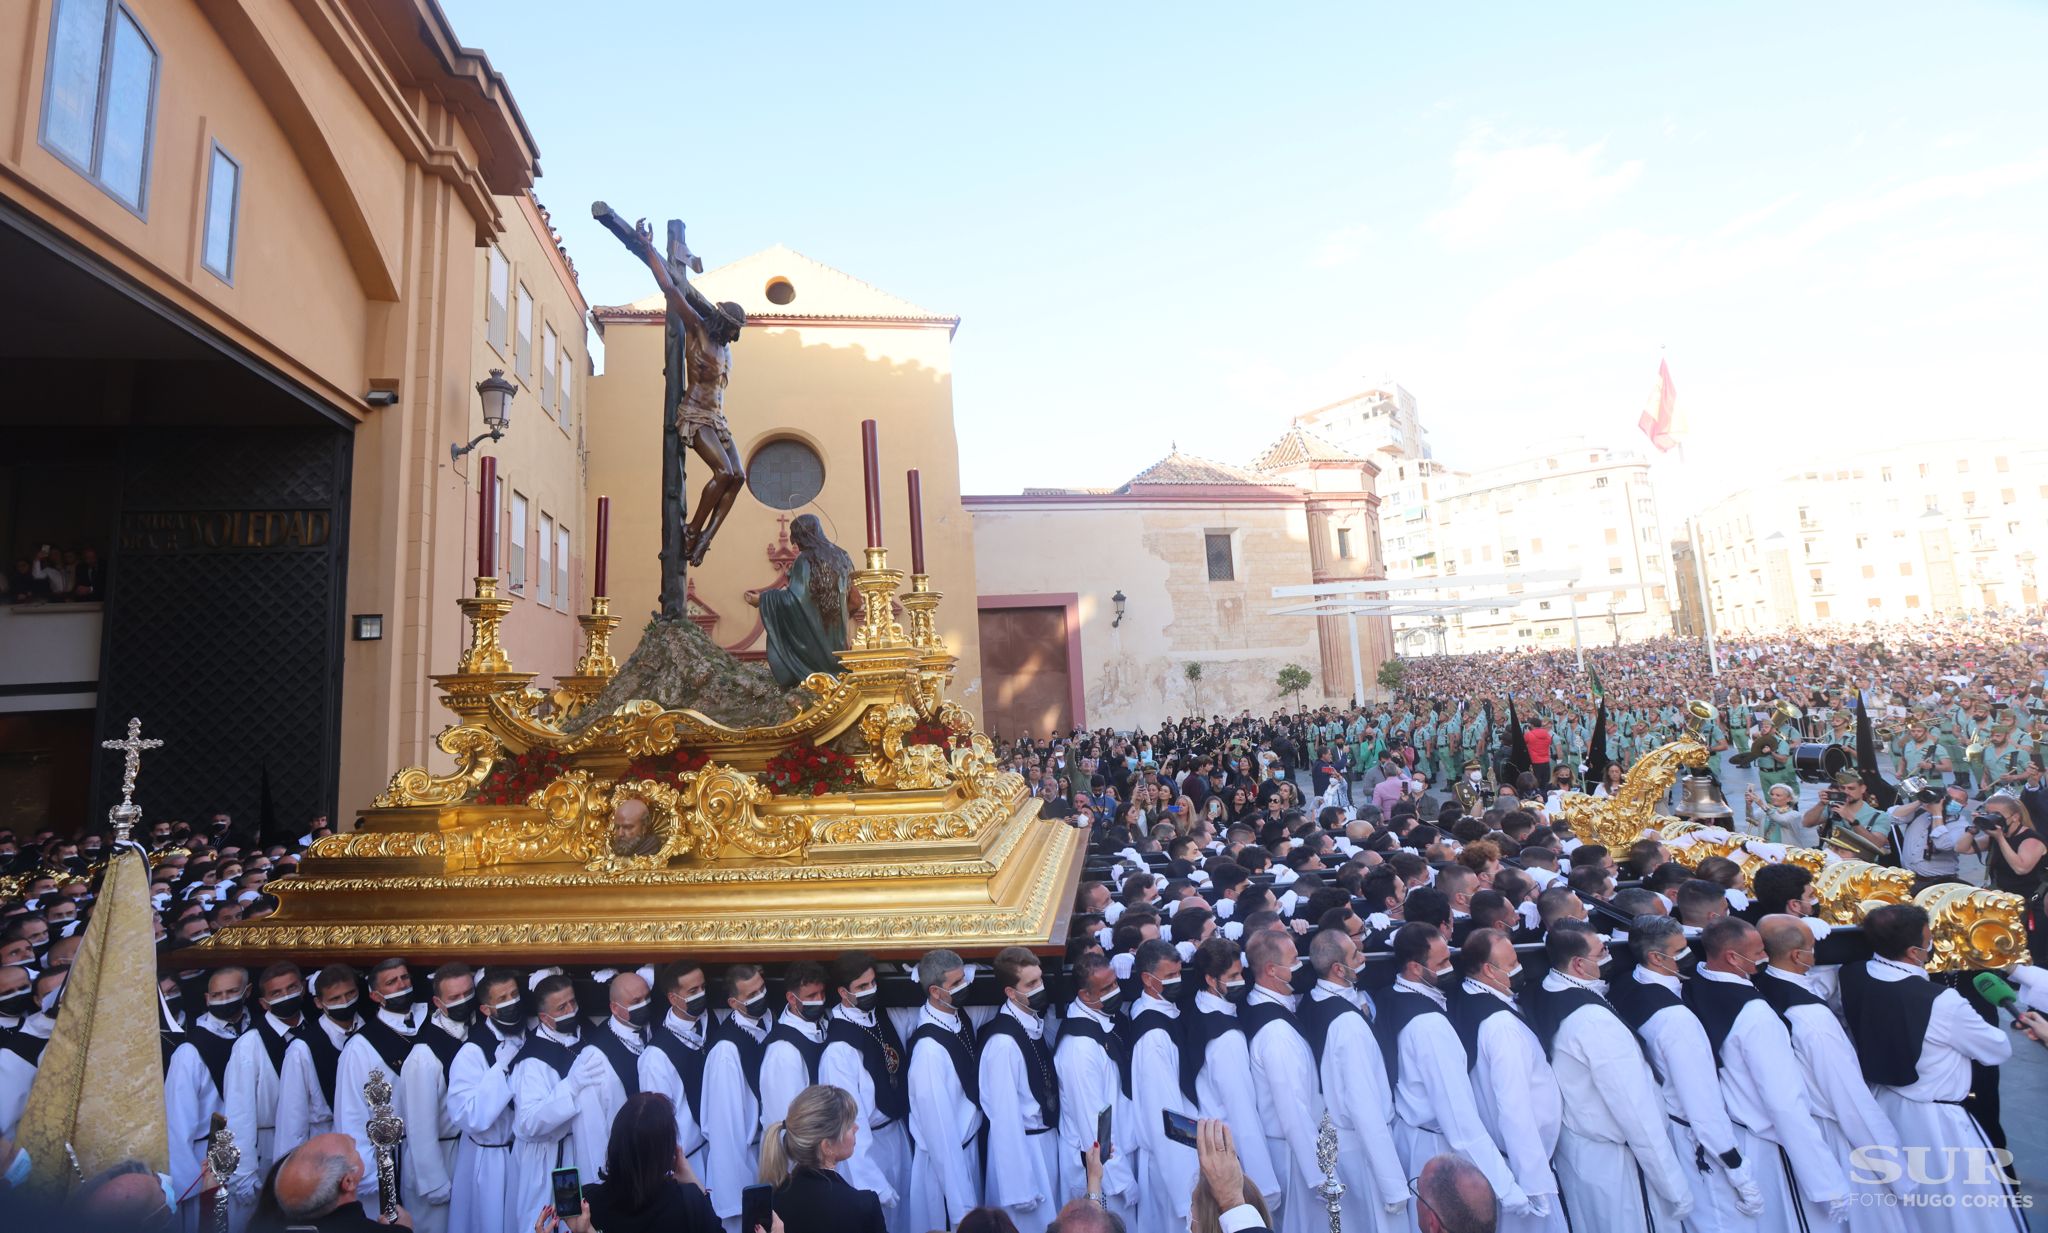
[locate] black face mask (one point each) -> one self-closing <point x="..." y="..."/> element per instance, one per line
<point x="755" y="1007"/>
<point x="1038" y="999"/>
<point x="866" y="1000"/>
<point x="226" y="1012"/>
<point x="175" y="1004"/>
<point x="642" y="1015"/>
<point x="811" y="1012"/>
<point x="17" y="1005"/>
<point x="1169" y="990"/>
<point x="510" y="1016"/>
<point x="696" y="1004"/>
<point x="1111" y="1001"/>
<point x="289" y="1009"/>
<point x="462" y="1010"/>
<point x="400" y="1003"/>
<point x="343" y="1014"/>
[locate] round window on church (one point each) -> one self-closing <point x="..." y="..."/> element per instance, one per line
<point x="785" y="474"/>
<point x="779" y="291"/>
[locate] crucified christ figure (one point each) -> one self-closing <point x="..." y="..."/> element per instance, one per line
<point x="699" y="341"/>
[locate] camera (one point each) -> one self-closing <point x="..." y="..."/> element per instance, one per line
<point x="1919" y="789"/>
<point x="1831" y="797"/>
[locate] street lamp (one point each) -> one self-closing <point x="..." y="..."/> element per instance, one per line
<point x="1118" y="600"/>
<point x="496" y="393"/>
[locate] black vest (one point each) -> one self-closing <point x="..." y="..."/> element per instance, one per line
<point x="1399" y="1008"/>
<point x="806" y="1048"/>
<point x="326" y="1057"/>
<point x="1783" y="995"/>
<point x="443" y="1046"/>
<point x="558" y="1056"/>
<point x="1636" y="1001"/>
<point x="881" y="1055"/>
<point x="29" y="1048"/>
<point x="750" y="1050"/>
<point x="1469" y="1011"/>
<point x="214" y="1050"/>
<point x="966" y="1067"/>
<point x="1316" y="1016"/>
<point x="1038" y="1072"/>
<point x="1549" y="1008"/>
<point x="689" y="1067"/>
<point x="273" y="1043"/>
<point x="1718" y="1003"/>
<point x="625" y="1062"/>
<point x="1256" y="1015"/>
<point x="1083" y="1028"/>
<point x="169" y="1042"/>
<point x="1888" y="1021"/>
<point x="1131" y="1031"/>
<point x="1200" y="1029"/>
<point x="389" y="1044"/>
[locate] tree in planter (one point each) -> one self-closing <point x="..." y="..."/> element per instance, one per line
<point x="1192" y="670"/>
<point x="1293" y="679"/>
<point x="1392" y="673"/>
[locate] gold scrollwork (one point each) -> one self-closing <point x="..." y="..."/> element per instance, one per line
<point x="380" y="844"/>
<point x="575" y="815"/>
<point x="1974" y="928"/>
<point x="475" y="751"/>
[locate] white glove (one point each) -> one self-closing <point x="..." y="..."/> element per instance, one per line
<point x="438" y="1195"/>
<point x="1838" y="1209"/>
<point x="588" y="1069"/>
<point x="1749" y="1200"/>
<point x="244" y="1185"/>
<point x="1517" y="1203"/>
<point x="1395" y="1208"/>
<point x="1539" y="1206"/>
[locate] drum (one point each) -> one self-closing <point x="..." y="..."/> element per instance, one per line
<point x="1816" y="762"/>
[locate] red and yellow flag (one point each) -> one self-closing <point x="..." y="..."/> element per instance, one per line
<point x="1660" y="418"/>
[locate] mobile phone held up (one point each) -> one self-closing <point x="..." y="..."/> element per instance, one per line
<point x="1180" y="1128"/>
<point x="568" y="1191"/>
<point x="757" y="1208"/>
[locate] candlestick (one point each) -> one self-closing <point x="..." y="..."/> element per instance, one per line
<point x="871" y="478"/>
<point x="487" y="519"/>
<point x="916" y="522"/>
<point x="604" y="539"/>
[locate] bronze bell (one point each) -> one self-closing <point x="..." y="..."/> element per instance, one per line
<point x="1700" y="799"/>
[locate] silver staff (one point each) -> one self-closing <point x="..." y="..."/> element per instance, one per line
<point x="224" y="1158"/>
<point x="1332" y="1190"/>
<point x="386" y="1129"/>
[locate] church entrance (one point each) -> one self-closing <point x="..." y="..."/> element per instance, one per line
<point x="1029" y="666"/>
<point x="174" y="520"/>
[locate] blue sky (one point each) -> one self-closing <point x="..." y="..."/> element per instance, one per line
<point x="1187" y="223"/>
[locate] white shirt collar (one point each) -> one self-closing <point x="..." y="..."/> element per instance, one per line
<point x="809" y="1031"/>
<point x="1645" y="976"/>
<point x="1802" y="979"/>
<point x="949" y="1020"/>
<point x="457" y="1030"/>
<point x="629" y="1034"/>
<point x="1431" y="992"/>
<point x="852" y="1014"/>
<point x="691" y="1034"/>
<point x="402" y="1024"/>
<point x="1082" y="1009"/>
<point x="1209" y="1003"/>
<point x="1895" y="969"/>
<point x="759" y="1031"/>
<point x="335" y="1032"/>
<point x="1033" y="1026"/>
<point x="39" y="1025"/>
<point x="280" y="1026"/>
<point x="1726" y="978"/>
<point x="1262" y="994"/>
<point x="1324" y="991"/>
<point x="1476" y="986"/>
<point x="548" y="1033"/>
<point x="1147" y="1002"/>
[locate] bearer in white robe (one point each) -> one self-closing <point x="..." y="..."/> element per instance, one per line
<point x="432" y="1139"/>
<point x="792" y="1050"/>
<point x="252" y="1086"/>
<point x="385" y="1043"/>
<point x="1284" y="1074"/>
<point x="1616" y="1169"/>
<point x="21" y="1051"/>
<point x="193" y="1085"/>
<point x="732" y="1102"/>
<point x="945" y="1113"/>
<point x="1726" y="1198"/>
<point x="1223" y="1083"/>
<point x="1167" y="1170"/>
<point x="1760" y="1080"/>
<point x="1354" y="1076"/>
<point x="1848" y="1114"/>
<point x="479" y="1106"/>
<point x="1434" y="1111"/>
<point x="1091" y="1081"/>
<point x="1020" y="1097"/>
<point x="865" y="1055"/>
<point x="554" y="1077"/>
<point x="1512" y="1083"/>
<point x="673" y="1062"/>
<point x="1916" y="1041"/>
<point x="305" y="1101"/>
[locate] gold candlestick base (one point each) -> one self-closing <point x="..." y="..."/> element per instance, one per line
<point x="597" y="667"/>
<point x="484" y="670"/>
<point x="878" y="629"/>
<point x="921" y="606"/>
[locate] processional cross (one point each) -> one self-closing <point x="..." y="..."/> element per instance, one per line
<point x="125" y="815"/>
<point x="698" y="358"/>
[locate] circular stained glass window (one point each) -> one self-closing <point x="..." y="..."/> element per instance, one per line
<point x="785" y="474"/>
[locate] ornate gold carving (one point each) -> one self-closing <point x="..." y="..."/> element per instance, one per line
<point x="878" y="629"/>
<point x="729" y="802"/>
<point x="1974" y="928"/>
<point x="475" y="751"/>
<point x="486" y="612"/>
<point x="890" y="763"/>
<point x="1619" y="820"/>
<point x="380" y="844"/>
<point x="574" y="816"/>
<point x="920" y="606"/>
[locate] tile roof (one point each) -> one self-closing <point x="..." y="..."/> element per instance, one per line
<point x="1298" y="445"/>
<point x="1179" y="468"/>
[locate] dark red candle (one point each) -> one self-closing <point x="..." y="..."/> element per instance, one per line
<point x="871" y="478"/>
<point x="487" y="519"/>
<point x="916" y="523"/>
<point x="604" y="539"/>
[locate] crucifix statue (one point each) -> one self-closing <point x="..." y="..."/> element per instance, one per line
<point x="698" y="355"/>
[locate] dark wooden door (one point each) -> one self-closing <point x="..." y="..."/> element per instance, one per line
<point x="1025" y="673"/>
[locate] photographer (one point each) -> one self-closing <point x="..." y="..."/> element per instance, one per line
<point x="2012" y="848"/>
<point x="1925" y="831"/>
<point x="1847" y="803"/>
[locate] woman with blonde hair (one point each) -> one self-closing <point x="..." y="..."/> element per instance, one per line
<point x="800" y="1157"/>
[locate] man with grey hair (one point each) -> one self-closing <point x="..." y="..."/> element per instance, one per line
<point x="319" y="1184"/>
<point x="945" y="1099"/>
<point x="1456" y="1197"/>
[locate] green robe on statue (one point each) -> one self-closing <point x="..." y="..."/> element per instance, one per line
<point x="805" y="618"/>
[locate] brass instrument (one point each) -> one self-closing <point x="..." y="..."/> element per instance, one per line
<point x="1848" y="843"/>
<point x="1783" y="716"/>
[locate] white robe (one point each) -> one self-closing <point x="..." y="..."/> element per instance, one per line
<point x="945" y="1171"/>
<point x="1434" y="1111"/>
<point x="1361" y="1105"/>
<point x="658" y="1074"/>
<point x="1616" y="1169"/>
<point x="249" y="1099"/>
<point x="553" y="1127"/>
<point x="732" y="1122"/>
<point x="1090" y="1083"/>
<point x="1677" y="1043"/>
<point x="1290" y="1108"/>
<point x="1848" y="1114"/>
<point x="432" y="1140"/>
<point x="1224" y="1090"/>
<point x="17" y="1076"/>
<point x="302" y="1108"/>
<point x="1957" y="1148"/>
<point x="881" y="1152"/>
<point x="1023" y="1169"/>
<point x="1166" y="1170"/>
<point x="190" y="1101"/>
<point x="479" y="1105"/>
<point x="783" y="1073"/>
<point x="1766" y="1097"/>
<point x="1516" y="1092"/>
<point x="352" y="1113"/>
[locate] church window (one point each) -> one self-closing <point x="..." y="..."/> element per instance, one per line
<point x="99" y="97"/>
<point x="223" y="195"/>
<point x="1344" y="543"/>
<point x="498" y="299"/>
<point x="1221" y="567"/>
<point x="785" y="474"/>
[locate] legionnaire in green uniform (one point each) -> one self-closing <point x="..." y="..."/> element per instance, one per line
<point x="1916" y="752"/>
<point x="1774" y="766"/>
<point x="1447" y="750"/>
